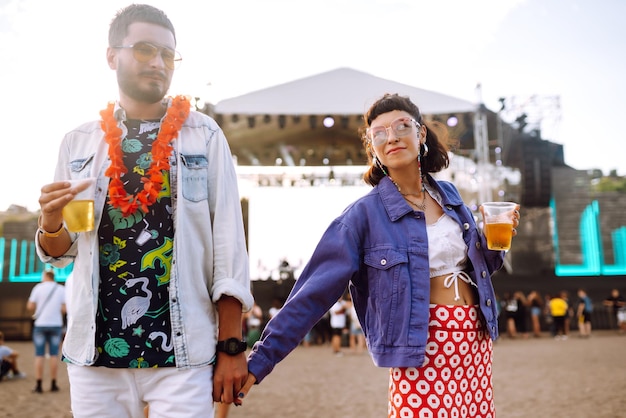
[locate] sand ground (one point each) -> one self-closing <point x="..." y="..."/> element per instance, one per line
<point x="577" y="378"/>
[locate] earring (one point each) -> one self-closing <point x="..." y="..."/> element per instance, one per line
<point x="376" y="162"/>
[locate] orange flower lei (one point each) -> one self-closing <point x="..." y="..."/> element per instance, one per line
<point x="161" y="150"/>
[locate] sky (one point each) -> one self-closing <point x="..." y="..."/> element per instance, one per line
<point x="561" y="61"/>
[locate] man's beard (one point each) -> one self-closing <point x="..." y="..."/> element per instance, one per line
<point x="130" y="87"/>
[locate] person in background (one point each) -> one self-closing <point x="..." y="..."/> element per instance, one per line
<point x="8" y="361"/>
<point x="160" y="285"/>
<point x="536" y="311"/>
<point x="521" y="315"/>
<point x="570" y="311"/>
<point x="417" y="267"/>
<point x="337" y="324"/>
<point x="511" y="308"/>
<point x="47" y="302"/>
<point x="616" y="304"/>
<point x="253" y="322"/>
<point x="357" y="339"/>
<point x="559" y="310"/>
<point x="276" y="305"/>
<point x="547" y="314"/>
<point x="584" y="308"/>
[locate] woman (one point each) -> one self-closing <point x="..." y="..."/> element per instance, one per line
<point x="416" y="265"/>
<point x="511" y="307"/>
<point x="536" y="310"/>
<point x="521" y="314"/>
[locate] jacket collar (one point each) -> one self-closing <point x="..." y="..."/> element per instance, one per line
<point x="396" y="206"/>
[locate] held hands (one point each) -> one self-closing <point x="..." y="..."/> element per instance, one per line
<point x="224" y="390"/>
<point x="245" y="389"/>
<point x="229" y="378"/>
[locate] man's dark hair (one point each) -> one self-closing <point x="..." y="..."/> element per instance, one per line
<point x="136" y="13"/>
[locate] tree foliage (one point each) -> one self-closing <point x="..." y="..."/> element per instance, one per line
<point x="610" y="184"/>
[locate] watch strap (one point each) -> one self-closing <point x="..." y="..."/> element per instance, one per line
<point x="231" y="346"/>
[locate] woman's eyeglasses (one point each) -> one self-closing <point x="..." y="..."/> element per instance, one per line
<point x="145" y="51"/>
<point x="400" y="127"/>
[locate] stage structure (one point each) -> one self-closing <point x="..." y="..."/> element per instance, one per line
<point x="300" y="159"/>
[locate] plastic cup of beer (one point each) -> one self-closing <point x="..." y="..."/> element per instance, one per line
<point x="498" y="224"/>
<point x="78" y="214"/>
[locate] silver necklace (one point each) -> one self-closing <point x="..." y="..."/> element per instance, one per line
<point x="420" y="206"/>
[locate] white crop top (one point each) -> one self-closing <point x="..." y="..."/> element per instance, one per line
<point x="447" y="251"/>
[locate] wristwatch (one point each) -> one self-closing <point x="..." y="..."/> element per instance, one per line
<point x="232" y="346"/>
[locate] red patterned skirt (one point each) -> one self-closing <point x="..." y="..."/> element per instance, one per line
<point x="455" y="380"/>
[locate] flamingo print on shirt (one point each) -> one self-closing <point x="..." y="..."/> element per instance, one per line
<point x="137" y="306"/>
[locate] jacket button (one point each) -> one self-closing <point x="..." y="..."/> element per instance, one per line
<point x="484" y="274"/>
<point x="466" y="226"/>
<point x="383" y="262"/>
<point x="488" y="302"/>
<point x="478" y="245"/>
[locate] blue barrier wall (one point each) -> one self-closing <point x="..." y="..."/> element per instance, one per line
<point x="19" y="263"/>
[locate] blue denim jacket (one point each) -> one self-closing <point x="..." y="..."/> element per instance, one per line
<point x="379" y="248"/>
<point x="209" y="257"/>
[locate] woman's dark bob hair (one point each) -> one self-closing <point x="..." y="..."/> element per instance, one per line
<point x="437" y="158"/>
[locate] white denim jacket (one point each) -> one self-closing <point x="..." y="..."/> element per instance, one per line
<point x="209" y="256"/>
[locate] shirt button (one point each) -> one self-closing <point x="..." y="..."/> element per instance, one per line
<point x="383" y="262"/>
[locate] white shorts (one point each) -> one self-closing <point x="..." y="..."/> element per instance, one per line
<point x="621" y="316"/>
<point x="123" y="393"/>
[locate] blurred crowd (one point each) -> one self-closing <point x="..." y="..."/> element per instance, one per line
<point x="533" y="314"/>
<point x="339" y="327"/>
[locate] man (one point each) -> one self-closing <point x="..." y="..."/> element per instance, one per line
<point x="47" y="302"/>
<point x="160" y="284"/>
<point x="583" y="313"/>
<point x="8" y="361"/>
<point x="616" y="304"/>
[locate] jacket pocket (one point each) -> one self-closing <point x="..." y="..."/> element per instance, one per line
<point x="80" y="168"/>
<point x="386" y="269"/>
<point x="195" y="174"/>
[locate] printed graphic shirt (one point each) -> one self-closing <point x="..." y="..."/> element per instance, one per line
<point x="133" y="318"/>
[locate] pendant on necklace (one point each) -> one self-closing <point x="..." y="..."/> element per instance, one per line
<point x="421" y="206"/>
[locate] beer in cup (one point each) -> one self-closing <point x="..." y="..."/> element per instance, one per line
<point x="78" y="214"/>
<point x="498" y="218"/>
